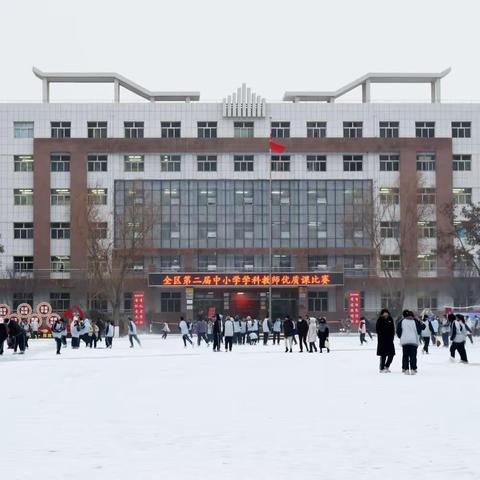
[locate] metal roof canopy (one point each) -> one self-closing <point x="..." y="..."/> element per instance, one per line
<point x="366" y="80"/>
<point x="110" y="77"/>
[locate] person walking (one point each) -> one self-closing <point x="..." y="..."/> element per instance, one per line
<point x="75" y="332"/>
<point x="385" y="328"/>
<point x="312" y="334"/>
<point x="445" y="328"/>
<point x="470" y="329"/>
<point x="368" y="330"/>
<point x="266" y="330"/>
<point x="288" y="329"/>
<point x="217" y="333"/>
<point x="323" y="334"/>
<point x="3" y="333"/>
<point x="17" y="334"/>
<point x="109" y="333"/>
<point x="34" y="325"/>
<point x="277" y="328"/>
<point x="132" y="332"/>
<point x="165" y="330"/>
<point x="459" y="338"/>
<point x="409" y="330"/>
<point x="426" y="333"/>
<point x="362" y="330"/>
<point x="243" y="331"/>
<point x="436" y="328"/>
<point x="228" y="331"/>
<point x="93" y="335"/>
<point x="185" y="332"/>
<point x="302" y="329"/>
<point x="27" y="330"/>
<point x="58" y="328"/>
<point x="201" y="330"/>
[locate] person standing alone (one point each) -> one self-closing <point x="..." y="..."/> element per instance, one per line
<point x="385" y="336"/>
<point x="132" y="332"/>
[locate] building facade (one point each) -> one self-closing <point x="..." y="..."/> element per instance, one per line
<point x="336" y="205"/>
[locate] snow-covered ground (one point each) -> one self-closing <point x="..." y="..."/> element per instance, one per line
<point x="163" y="411"/>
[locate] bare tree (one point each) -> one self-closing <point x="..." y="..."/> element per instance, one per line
<point x="112" y="254"/>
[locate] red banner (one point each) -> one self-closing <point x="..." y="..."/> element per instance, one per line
<point x="139" y="307"/>
<point x="354" y="306"/>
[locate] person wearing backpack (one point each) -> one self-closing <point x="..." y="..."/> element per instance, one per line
<point x="408" y="331"/>
<point x="459" y="338"/>
<point x="427" y="333"/>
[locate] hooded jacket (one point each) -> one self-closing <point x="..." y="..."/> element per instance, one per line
<point x="228" y="327"/>
<point x="409" y="330"/>
<point x="312" y="330"/>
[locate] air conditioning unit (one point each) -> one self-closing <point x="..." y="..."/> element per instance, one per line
<point x="211" y="234"/>
<point x="175" y="268"/>
<point x="211" y="201"/>
<point x="248" y="267"/>
<point x="285" y="200"/>
<point x="358" y="266"/>
<point x="322" y="200"/>
<point x="248" y="200"/>
<point x="174" y="234"/>
<point x="138" y="268"/>
<point x="321" y="267"/>
<point x="211" y="268"/>
<point x="321" y="234"/>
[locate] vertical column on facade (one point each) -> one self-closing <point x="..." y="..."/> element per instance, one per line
<point x="41" y="209"/>
<point x="302" y="301"/>
<point x="444" y="182"/>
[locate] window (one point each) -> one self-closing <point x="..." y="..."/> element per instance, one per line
<point x="23" y="196"/>
<point x="316" y="129"/>
<point x="280" y="130"/>
<point x="427" y="230"/>
<point x="60" y="197"/>
<point x="127" y="301"/>
<point x="462" y="163"/>
<point x="170" y="163"/>
<point x="22" y="297"/>
<point x="280" y="163"/>
<point x="424" y="129"/>
<point x="60" y="264"/>
<point x="23" y="163"/>
<point x="60" y="162"/>
<point x="60" y="230"/>
<point x="391" y="300"/>
<point x="97" y="196"/>
<point x="243" y="129"/>
<point x="316" y="163"/>
<point x="316" y="197"/>
<point x="170" y="129"/>
<point x="97" y="163"/>
<point x="352" y="163"/>
<point x="318" y="301"/>
<point x="243" y="197"/>
<point x="356" y="265"/>
<point x="100" y="230"/>
<point x="135" y="196"/>
<point x="389" y="163"/>
<point x="98" y="303"/>
<point x="317" y="229"/>
<point x="461" y="129"/>
<point x="389" y="229"/>
<point x="281" y="263"/>
<point x="60" y="129"/>
<point x="170" y="301"/>
<point x="207" y="263"/>
<point x="207" y="197"/>
<point x="352" y="129"/>
<point x="426" y="196"/>
<point x="60" y="301"/>
<point x="389" y="196"/>
<point x="427" y="263"/>
<point x="243" y="231"/>
<point x="464" y="299"/>
<point x="244" y="262"/>
<point x="207" y="163"/>
<point x="427" y="300"/>
<point x="22" y="264"/>
<point x="207" y="230"/>
<point x="243" y="163"/>
<point x="389" y="129"/>
<point x="133" y="163"/>
<point x="23" y="129"/>
<point x="317" y="263"/>
<point x="97" y="129"/>
<point x="23" y="230"/>
<point x="425" y="162"/>
<point x="207" y="129"/>
<point x="133" y="129"/>
<point x="390" y="262"/>
<point x="462" y="196"/>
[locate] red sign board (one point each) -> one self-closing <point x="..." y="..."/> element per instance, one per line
<point x="139" y="307"/>
<point x="245" y="280"/>
<point x="354" y="306"/>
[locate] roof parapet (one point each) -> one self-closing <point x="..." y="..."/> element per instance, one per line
<point x="366" y="80"/>
<point x="110" y="77"/>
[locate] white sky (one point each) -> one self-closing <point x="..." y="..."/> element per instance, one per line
<point x="213" y="45"/>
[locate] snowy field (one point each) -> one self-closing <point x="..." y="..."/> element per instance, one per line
<point x="163" y="411"/>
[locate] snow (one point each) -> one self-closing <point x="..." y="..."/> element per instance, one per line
<point x="163" y="411"/>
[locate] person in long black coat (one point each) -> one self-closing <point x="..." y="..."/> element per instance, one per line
<point x="3" y="334"/>
<point x="385" y="336"/>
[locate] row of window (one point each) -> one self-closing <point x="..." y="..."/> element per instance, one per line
<point x="58" y="230"/>
<point x="60" y="162"/>
<point x="354" y="129"/>
<point x="59" y="197"/>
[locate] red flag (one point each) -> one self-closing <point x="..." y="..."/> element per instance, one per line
<point x="68" y="314"/>
<point x="276" y="147"/>
<point x="80" y="312"/>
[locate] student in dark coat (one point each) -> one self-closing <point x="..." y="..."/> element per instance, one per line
<point x="302" y="328"/>
<point x="3" y="334"/>
<point x="18" y="334"/>
<point x="288" y="329"/>
<point x="385" y="336"/>
<point x="323" y="333"/>
<point x="217" y="333"/>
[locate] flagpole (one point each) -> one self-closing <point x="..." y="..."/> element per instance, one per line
<point x="270" y="313"/>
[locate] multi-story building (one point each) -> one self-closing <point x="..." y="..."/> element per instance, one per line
<point x="335" y="208"/>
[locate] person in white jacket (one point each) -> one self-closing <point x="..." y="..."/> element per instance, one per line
<point x="165" y="330"/>
<point x="409" y="330"/>
<point x="109" y="333"/>
<point x="266" y="330"/>
<point x="75" y="332"/>
<point x="58" y="328"/>
<point x="185" y="332"/>
<point x="132" y="332"/>
<point x="228" y="331"/>
<point x="312" y="334"/>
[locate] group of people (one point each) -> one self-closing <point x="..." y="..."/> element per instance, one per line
<point x="231" y="331"/>
<point x="412" y="331"/>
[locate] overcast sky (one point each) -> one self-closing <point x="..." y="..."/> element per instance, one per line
<point x="214" y="45"/>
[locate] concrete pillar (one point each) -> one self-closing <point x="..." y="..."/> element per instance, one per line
<point x="435" y="88"/>
<point x="116" y="91"/>
<point x="366" y="91"/>
<point x="45" y="91"/>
